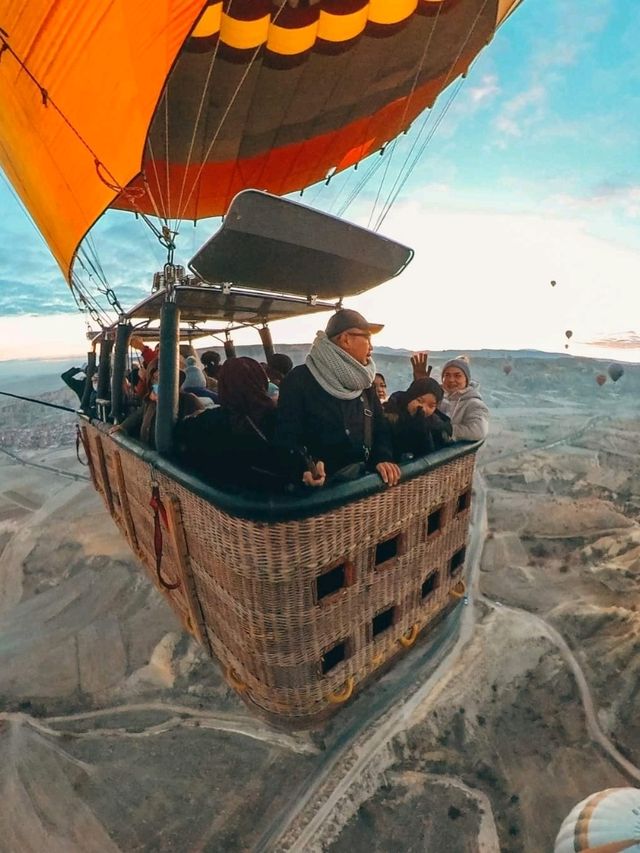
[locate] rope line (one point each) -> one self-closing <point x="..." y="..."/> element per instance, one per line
<point x="43" y="467"/>
<point x="41" y="402"/>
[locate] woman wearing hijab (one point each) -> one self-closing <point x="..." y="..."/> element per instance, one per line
<point x="230" y="445"/>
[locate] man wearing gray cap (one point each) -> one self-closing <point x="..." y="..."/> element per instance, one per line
<point x="328" y="410"/>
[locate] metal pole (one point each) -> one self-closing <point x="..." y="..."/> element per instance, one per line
<point x="85" y="405"/>
<point x="267" y="342"/>
<point x="123" y="333"/>
<point x="229" y="349"/>
<point x="103" y="400"/>
<point x="168" y="390"/>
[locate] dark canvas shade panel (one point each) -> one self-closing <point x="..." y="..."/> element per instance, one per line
<point x="275" y="244"/>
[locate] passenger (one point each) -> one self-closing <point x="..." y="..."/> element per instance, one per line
<point x="463" y="403"/>
<point x="146" y="353"/>
<point x="141" y="423"/>
<point x="328" y="409"/>
<point x="418" y="427"/>
<point x="278" y="366"/>
<point x="71" y="378"/>
<point x="380" y="387"/>
<point x="211" y="366"/>
<point x="230" y="445"/>
<point x="195" y="381"/>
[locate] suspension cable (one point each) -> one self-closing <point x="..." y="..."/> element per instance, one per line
<point x="205" y="89"/>
<point x="223" y="119"/>
<point x="402" y="179"/>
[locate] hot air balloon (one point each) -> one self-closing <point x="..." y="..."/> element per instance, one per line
<point x="507" y="368"/>
<point x="553" y="284"/>
<point x="174" y="111"/>
<point x="607" y="821"/>
<point x="615" y="371"/>
<point x="601" y="379"/>
<point x="568" y="334"/>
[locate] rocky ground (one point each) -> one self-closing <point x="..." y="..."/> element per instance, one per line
<point x="116" y="733"/>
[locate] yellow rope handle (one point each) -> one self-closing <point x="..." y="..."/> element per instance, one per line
<point x="459" y="590"/>
<point x="377" y="659"/>
<point x="410" y="637"/>
<point x="234" y="679"/>
<point x="345" y="694"/>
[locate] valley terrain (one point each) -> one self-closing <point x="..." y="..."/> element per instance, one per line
<point x="118" y="733"/>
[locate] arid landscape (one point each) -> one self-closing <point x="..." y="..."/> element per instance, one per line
<point x="117" y="733"/>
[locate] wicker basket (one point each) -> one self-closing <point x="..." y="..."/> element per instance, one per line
<point x="299" y="612"/>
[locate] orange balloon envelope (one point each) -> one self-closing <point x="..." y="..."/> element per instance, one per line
<point x="171" y="107"/>
<point x="601" y="379"/>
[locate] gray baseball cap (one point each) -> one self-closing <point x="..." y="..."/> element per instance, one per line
<point x="345" y="319"/>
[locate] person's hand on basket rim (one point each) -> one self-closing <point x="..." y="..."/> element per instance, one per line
<point x="389" y="472"/>
<point x="315" y="476"/>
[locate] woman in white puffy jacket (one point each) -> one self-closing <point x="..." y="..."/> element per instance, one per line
<point x="462" y="402"/>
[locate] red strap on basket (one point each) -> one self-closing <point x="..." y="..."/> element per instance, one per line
<point x="79" y="439"/>
<point x="159" y="518"/>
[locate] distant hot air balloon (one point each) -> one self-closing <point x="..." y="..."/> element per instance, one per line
<point x="507" y="369"/>
<point x="566" y="346"/>
<point x="568" y="334"/>
<point x="601" y="379"/>
<point x="553" y="284"/>
<point x="615" y="371"/>
<point x="606" y="821"/>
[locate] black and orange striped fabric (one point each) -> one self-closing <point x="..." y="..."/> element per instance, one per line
<point x="170" y="107"/>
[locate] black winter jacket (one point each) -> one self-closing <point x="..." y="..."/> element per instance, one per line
<point x="229" y="457"/>
<point x="418" y="434"/>
<point x="312" y="421"/>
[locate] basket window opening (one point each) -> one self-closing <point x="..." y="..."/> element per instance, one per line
<point x="387" y="550"/>
<point x="434" y="521"/>
<point x="457" y="561"/>
<point x="464" y="501"/>
<point x="331" y="581"/>
<point x="429" y="586"/>
<point x="382" y="622"/>
<point x="333" y="656"/>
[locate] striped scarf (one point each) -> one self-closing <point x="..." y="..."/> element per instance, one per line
<point x="336" y="371"/>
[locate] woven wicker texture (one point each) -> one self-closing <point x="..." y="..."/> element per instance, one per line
<point x="300" y="614"/>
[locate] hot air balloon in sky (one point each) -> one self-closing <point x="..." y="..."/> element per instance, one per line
<point x="607" y="821"/>
<point x="553" y="283"/>
<point x="170" y="110"/>
<point x="601" y="379"/>
<point x="175" y="111"/>
<point x="615" y="371"/>
<point x="507" y="368"/>
<point x="568" y="334"/>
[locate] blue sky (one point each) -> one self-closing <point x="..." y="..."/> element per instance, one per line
<point x="533" y="174"/>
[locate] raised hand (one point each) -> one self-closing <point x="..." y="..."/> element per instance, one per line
<point x="419" y="364"/>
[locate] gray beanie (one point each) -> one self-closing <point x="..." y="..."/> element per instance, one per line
<point x="461" y="364"/>
<point x="194" y="377"/>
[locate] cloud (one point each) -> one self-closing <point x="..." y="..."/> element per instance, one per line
<point x="609" y="196"/>
<point x="521" y="111"/>
<point x="485" y="89"/>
